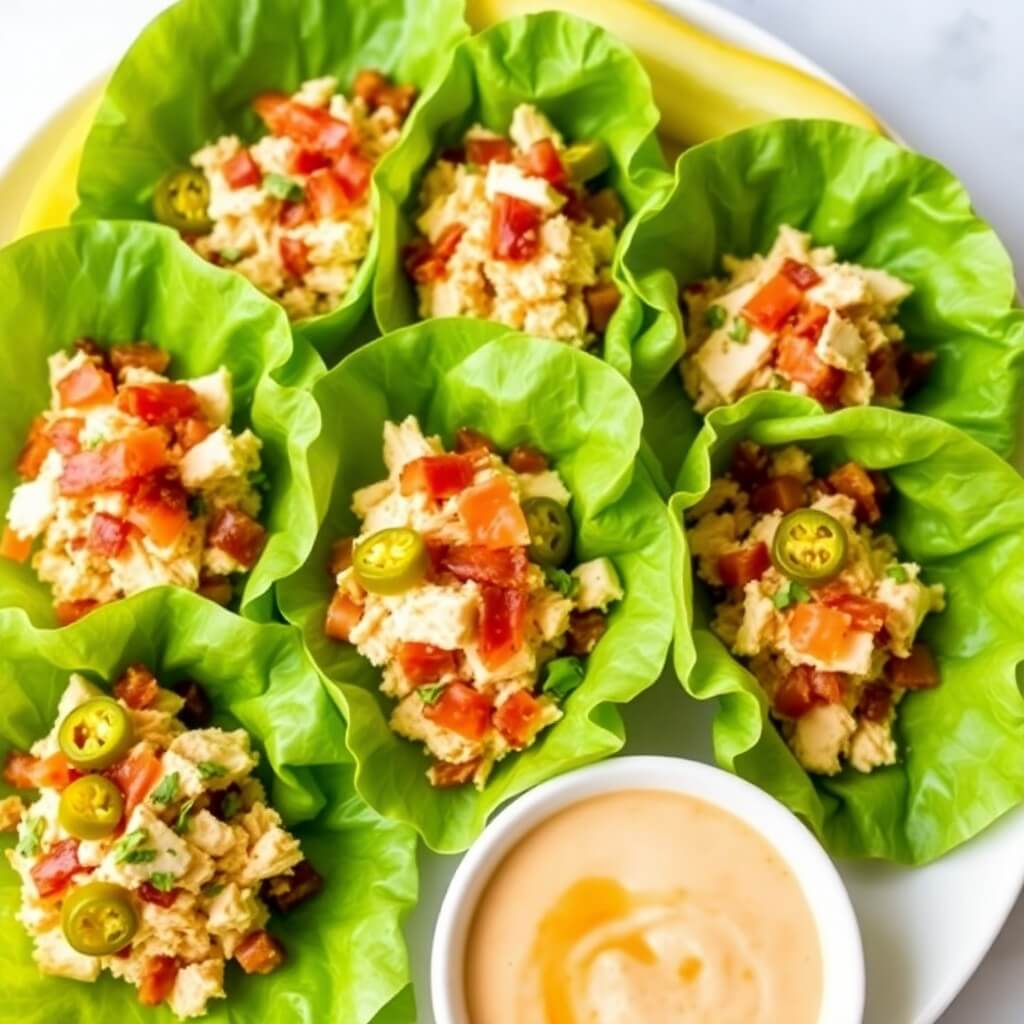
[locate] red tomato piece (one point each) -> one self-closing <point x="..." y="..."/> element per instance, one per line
<point x="865" y="614"/>
<point x="354" y="171"/>
<point x="798" y="360"/>
<point x="157" y="981"/>
<point x="444" y="775"/>
<point x="151" y="894"/>
<point x="160" y="403"/>
<point x="138" y="688"/>
<point x="108" y="535"/>
<point x="875" y="703"/>
<point x="917" y="672"/>
<point x="819" y="631"/>
<point x="738" y="568"/>
<point x="85" y="386"/>
<point x="502" y="624"/>
<point x="439" y="476"/>
<point x="294" y="255"/>
<point x="482" y="151"/>
<point x="36" y="448"/>
<point x="771" y="306"/>
<point x="515" y="229"/>
<point x="135" y="775"/>
<point x="63" y="434"/>
<point x="461" y="709"/>
<point x="242" y="170"/>
<point x="13" y="547"/>
<point x="779" y="494"/>
<point x="159" y="508"/>
<point x="114" y="464"/>
<point x="803" y="275"/>
<point x="306" y="161"/>
<point x="425" y="262"/>
<point x="542" y="161"/>
<point x="294" y="214"/>
<point x="805" y="688"/>
<point x="259" y="953"/>
<point x="188" y="433"/>
<point x="810" y="322"/>
<point x="326" y="196"/>
<point x="425" y="663"/>
<point x="516" y="719"/>
<point x="503" y="567"/>
<point x="237" y="534"/>
<point x="23" y="771"/>
<point x="492" y="516"/>
<point x="71" y="611"/>
<point x="342" y="616"/>
<point x="855" y="482"/>
<point x="54" y="870"/>
<point x="524" y="458"/>
<point x="311" y="127"/>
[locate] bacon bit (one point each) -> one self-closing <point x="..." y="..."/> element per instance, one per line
<point x="68" y="612"/>
<point x="524" y="458"/>
<point x="135" y="775"/>
<point x="444" y="775"/>
<point x="602" y="301"/>
<point x="854" y="481"/>
<point x="23" y="771"/>
<point x="138" y="688"/>
<point x="502" y="567"/>
<point x="425" y="262"/>
<point x="424" y="663"/>
<point x="159" y="404"/>
<point x="63" y="434"/>
<point x="605" y="207"/>
<point x="515" y="229"/>
<point x="585" y="630"/>
<point x="810" y="322"/>
<point x="237" y="534"/>
<point x="469" y="440"/>
<point x="108" y="535"/>
<point x="738" y="568"/>
<point x="112" y="465"/>
<point x="368" y="86"/>
<point x="883" y="365"/>
<point x="749" y="465"/>
<point x="259" y="953"/>
<point x="141" y="354"/>
<point x="865" y="615"/>
<point x="454" y="154"/>
<point x="779" y="494"/>
<point x="462" y="710"/>
<point x="87" y="385"/>
<point x="286" y="892"/>
<point x="37" y="447"/>
<point x="13" y="547"/>
<point x="439" y="476"/>
<point x="293" y="214"/>
<point x="875" y="703"/>
<point x="805" y="688"/>
<point x="341" y="556"/>
<point x="483" y="151"/>
<point x="53" y="872"/>
<point x="197" y="711"/>
<point x="797" y="359"/>
<point x="217" y="589"/>
<point x="95" y="352"/>
<point x="376" y="90"/>
<point x="771" y="306"/>
<point x="294" y="255"/>
<point x="151" y="894"/>
<point x="502" y="624"/>
<point x="803" y="275"/>
<point x="516" y="719"/>
<point x="342" y="616"/>
<point x="914" y="369"/>
<point x="919" y="671"/>
<point x="157" y="981"/>
<point x="159" y="507"/>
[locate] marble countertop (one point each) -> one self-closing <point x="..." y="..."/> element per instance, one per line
<point x="946" y="74"/>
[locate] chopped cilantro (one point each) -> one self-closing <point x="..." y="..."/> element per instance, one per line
<point x="740" y="330"/>
<point x="778" y="382"/>
<point x="430" y="695"/>
<point x="715" y="317"/>
<point x="162" y="880"/>
<point x="558" y="579"/>
<point x="165" y="792"/>
<point x="282" y="188"/>
<point x="196" y="506"/>
<point x="181" y="825"/>
<point x="898" y="573"/>
<point x="230" y="254"/>
<point x="31" y="837"/>
<point x="130" y="850"/>
<point x="231" y="804"/>
<point x="789" y="594"/>
<point x="563" y="676"/>
<point x="211" y="770"/>
<point x="92" y="442"/>
<point x="212" y="889"/>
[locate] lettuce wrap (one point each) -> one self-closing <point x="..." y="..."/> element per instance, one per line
<point x="591" y="87"/>
<point x="957" y="510"/>
<point x="586" y="418"/>
<point x="880" y="205"/>
<point x="118" y="282"/>
<point x="158" y="109"/>
<point x="346" y="958"/>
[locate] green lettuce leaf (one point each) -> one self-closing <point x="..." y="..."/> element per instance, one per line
<point x="586" y="417"/>
<point x="346" y="959"/>
<point x="592" y="87"/>
<point x="158" y="109"/>
<point x="958" y="511"/>
<point x="127" y="282"/>
<point x="880" y="205"/>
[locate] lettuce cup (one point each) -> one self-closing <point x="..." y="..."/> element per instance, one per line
<point x="817" y="258"/>
<point x="854" y="586"/>
<point x="510" y="195"/>
<point x="154" y="426"/>
<point x="494" y="553"/>
<point x="263" y="150"/>
<point x="235" y="793"/>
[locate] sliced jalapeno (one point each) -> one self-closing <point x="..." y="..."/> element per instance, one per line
<point x="390" y="561"/>
<point x="551" y="531"/>
<point x="809" y="546"/>
<point x="96" y="734"/>
<point x="586" y="160"/>
<point x="99" y="918"/>
<point x="181" y="199"/>
<point x="91" y="807"/>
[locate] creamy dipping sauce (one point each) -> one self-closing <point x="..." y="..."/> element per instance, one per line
<point x="643" y="907"/>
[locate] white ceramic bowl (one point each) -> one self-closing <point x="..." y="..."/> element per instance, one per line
<point x="842" y="955"/>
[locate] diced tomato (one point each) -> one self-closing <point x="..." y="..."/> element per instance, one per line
<point x="602" y="301"/>
<point x="326" y="196"/>
<point x="157" y="981"/>
<point x="803" y="275"/>
<point x="865" y="614"/>
<point x="515" y="229"/>
<point x="292" y="214"/>
<point x="63" y="434"/>
<point x="516" y="719"/>
<point x="821" y="632"/>
<point x="163" y="403"/>
<point x="439" y="476"/>
<point x="425" y="262"/>
<point x="503" y="567"/>
<point x="502" y="624"/>
<point x="354" y="171"/>
<point x="294" y="255"/>
<point x="425" y="663"/>
<point x="135" y="775"/>
<point x="151" y="894"/>
<point x="469" y="440"/>
<point x="798" y="360"/>
<point x="68" y="612"/>
<point x="810" y="322"/>
<point x="311" y="127"/>
<point x="237" y="534"/>
<point x="159" y="508"/>
<point x="542" y="161"/>
<point x="771" y="306"/>
<point x="54" y="870"/>
<point x="883" y="365"/>
<point x="524" y="458"/>
<point x="492" y="516"/>
<point x="461" y="709"/>
<point x="804" y="688"/>
<point x="738" y="568"/>
<point x="779" y="494"/>
<point x="483" y="151"/>
<point x="13" y="547"/>
<point x="242" y="170"/>
<point x="855" y="482"/>
<point x="138" y="688"/>
<point x="444" y="775"/>
<point x="259" y="953"/>
<point x="341" y="556"/>
<point x="87" y="385"/>
<point x="917" y="672"/>
<point x="141" y="354"/>
<point x="342" y="616"/>
<point x="23" y="771"/>
<point x="113" y="464"/>
<point x="36" y="448"/>
<point x="306" y="161"/>
<point x="188" y="433"/>
<point x="875" y="703"/>
<point x="108" y="535"/>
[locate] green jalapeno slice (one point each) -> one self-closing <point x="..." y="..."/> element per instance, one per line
<point x="99" y="918"/>
<point x="551" y="531"/>
<point x="91" y="807"/>
<point x="181" y="199"/>
<point x="809" y="546"/>
<point x="390" y="561"/>
<point x="96" y="734"/>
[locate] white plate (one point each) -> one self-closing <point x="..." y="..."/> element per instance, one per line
<point x="925" y="931"/>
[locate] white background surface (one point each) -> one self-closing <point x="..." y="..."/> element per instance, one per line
<point x="948" y="75"/>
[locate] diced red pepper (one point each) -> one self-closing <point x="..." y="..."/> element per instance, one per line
<point x="779" y="494"/>
<point x="425" y="663"/>
<point x="738" y="568"/>
<point x="515" y="229"/>
<point x="804" y="688"/>
<point x="137" y="687"/>
<point x="23" y="771"/>
<point x="524" y="458"/>
<point x="483" y="151"/>
<point x="503" y="567"/>
<point x="159" y="507"/>
<point x="602" y="300"/>
<point x="306" y="161"/>
<point x="108" y="535"/>
<point x="162" y="403"/>
<point x="810" y="322"/>
<point x="492" y="516"/>
<point x="13" y="547"/>
<point x="141" y="354"/>
<point x="354" y="171"/>
<point x="919" y="671"/>
<point x="542" y="161"/>
<point x="114" y="464"/>
<point x="135" y="775"/>
<point x="294" y="255"/>
<point x="855" y="482"/>
<point x="342" y="616"/>
<point x="53" y="872"/>
<point x="259" y="953"/>
<point x="771" y="306"/>
<point x="237" y="534"/>
<point x="502" y="624"/>
<point x="444" y="775"/>
<point x="68" y="612"/>
<point x="875" y="703"/>
<point x="151" y="894"/>
<point x="157" y="981"/>
<point x="85" y="386"/>
<point x="292" y="214"/>
<point x="798" y="360"/>
<point x="516" y="719"/>
<point x="461" y="709"/>
<point x="425" y="262"/>
<point x="64" y="433"/>
<point x="326" y="195"/>
<point x="865" y="614"/>
<point x="439" y="476"/>
<point x="242" y="170"/>
<point x="36" y="448"/>
<point x="311" y="127"/>
<point x="803" y="275"/>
